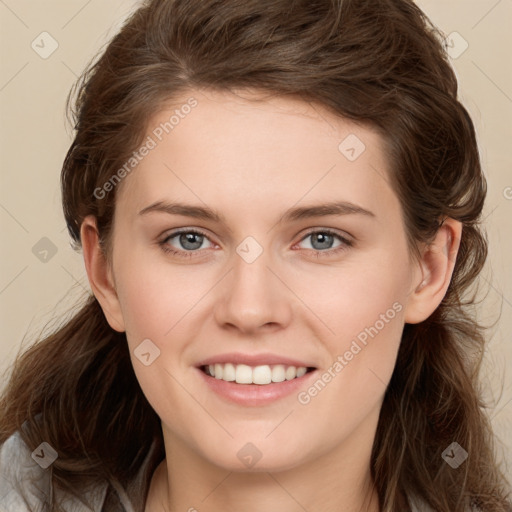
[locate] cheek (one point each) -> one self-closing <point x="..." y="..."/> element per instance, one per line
<point x="153" y="296"/>
<point x="367" y="320"/>
<point x="358" y="297"/>
<point x="143" y="307"/>
<point x="363" y="309"/>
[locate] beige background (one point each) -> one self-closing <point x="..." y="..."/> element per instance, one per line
<point x="34" y="138"/>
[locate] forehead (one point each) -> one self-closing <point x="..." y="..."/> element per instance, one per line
<point x="256" y="147"/>
<point x="259" y="114"/>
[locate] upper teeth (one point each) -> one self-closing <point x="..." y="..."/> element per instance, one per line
<point x="264" y="374"/>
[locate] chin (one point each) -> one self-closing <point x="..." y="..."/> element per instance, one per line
<point x="248" y="457"/>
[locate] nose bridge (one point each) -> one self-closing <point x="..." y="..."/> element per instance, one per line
<point x="254" y="296"/>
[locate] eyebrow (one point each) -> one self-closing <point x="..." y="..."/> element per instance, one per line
<point x="293" y="214"/>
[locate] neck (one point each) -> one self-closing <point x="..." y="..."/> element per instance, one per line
<point x="336" y="481"/>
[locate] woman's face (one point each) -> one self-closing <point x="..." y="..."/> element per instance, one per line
<point x="271" y="279"/>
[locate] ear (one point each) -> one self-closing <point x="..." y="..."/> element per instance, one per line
<point x="434" y="273"/>
<point x="100" y="274"/>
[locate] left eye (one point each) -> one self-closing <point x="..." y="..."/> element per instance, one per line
<point x="325" y="238"/>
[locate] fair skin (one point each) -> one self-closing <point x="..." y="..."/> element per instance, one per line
<point x="250" y="161"/>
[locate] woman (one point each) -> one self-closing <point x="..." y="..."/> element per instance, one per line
<point x="248" y="371"/>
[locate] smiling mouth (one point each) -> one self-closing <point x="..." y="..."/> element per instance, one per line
<point x="261" y="375"/>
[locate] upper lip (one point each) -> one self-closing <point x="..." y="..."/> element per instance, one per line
<point x="253" y="360"/>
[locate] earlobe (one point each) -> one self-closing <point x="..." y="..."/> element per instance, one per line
<point x="435" y="272"/>
<point x="100" y="274"/>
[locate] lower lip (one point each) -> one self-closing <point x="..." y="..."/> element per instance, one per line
<point x="255" y="394"/>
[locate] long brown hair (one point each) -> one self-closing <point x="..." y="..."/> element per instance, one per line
<point x="381" y="63"/>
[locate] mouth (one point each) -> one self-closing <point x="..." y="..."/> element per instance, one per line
<point x="260" y="375"/>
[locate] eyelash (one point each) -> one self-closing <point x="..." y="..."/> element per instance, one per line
<point x="319" y="254"/>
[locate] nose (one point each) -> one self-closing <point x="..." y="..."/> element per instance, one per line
<point x="253" y="296"/>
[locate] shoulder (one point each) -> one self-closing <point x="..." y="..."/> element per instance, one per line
<point x="24" y="485"/>
<point x="25" y="482"/>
